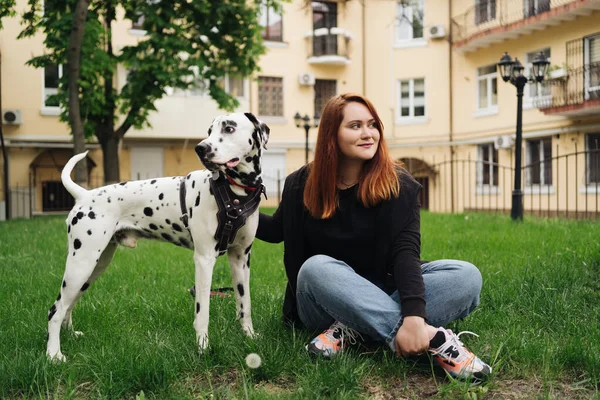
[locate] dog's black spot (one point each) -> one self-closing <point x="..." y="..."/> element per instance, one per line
<point x="190" y="213"/>
<point x="89" y="232"/>
<point x="77" y="244"/>
<point x="80" y="215"/>
<point x="248" y="249"/>
<point x="123" y="183"/>
<point x="241" y="314"/>
<point x="188" y="176"/>
<point x="91" y="215"/>
<point x="74" y="221"/>
<point x="161" y="196"/>
<point x="153" y="181"/>
<point x="51" y="312"/>
<point x="239" y="257"/>
<point x="220" y="139"/>
<point x="166" y="236"/>
<point x="249" y="141"/>
<point x="177" y="227"/>
<point x="152" y="226"/>
<point x="58" y="298"/>
<point x="168" y="221"/>
<point x="248" y="263"/>
<point x="240" y="289"/>
<point x="197" y="308"/>
<point x="184" y="242"/>
<point x="108" y="199"/>
<point x="85" y="286"/>
<point x="198" y="200"/>
<point x="193" y="184"/>
<point x="64" y="283"/>
<point x="69" y="228"/>
<point x="73" y="254"/>
<point x="148" y="211"/>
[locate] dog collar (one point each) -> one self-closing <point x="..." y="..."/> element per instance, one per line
<point x="250" y="188"/>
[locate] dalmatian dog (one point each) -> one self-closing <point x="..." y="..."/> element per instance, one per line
<point x="160" y="209"/>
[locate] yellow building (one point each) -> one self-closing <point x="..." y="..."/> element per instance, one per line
<point x="429" y="66"/>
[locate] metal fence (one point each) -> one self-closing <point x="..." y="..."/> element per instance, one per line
<point x="565" y="186"/>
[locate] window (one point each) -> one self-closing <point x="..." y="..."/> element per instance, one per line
<point x="410" y="20"/>
<point x="52" y="75"/>
<point x="270" y="96"/>
<point x="324" y="16"/>
<point x="487" y="165"/>
<point x="539" y="162"/>
<point x="592" y="144"/>
<point x="591" y="52"/>
<point x="234" y="85"/>
<point x="412" y="98"/>
<point x="324" y="90"/>
<point x="535" y="7"/>
<point x="271" y="22"/>
<point x="536" y="89"/>
<point x="485" y="10"/>
<point x="487" y="88"/>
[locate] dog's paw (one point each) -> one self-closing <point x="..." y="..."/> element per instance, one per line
<point x="57" y="358"/>
<point x="249" y="331"/>
<point x="202" y="342"/>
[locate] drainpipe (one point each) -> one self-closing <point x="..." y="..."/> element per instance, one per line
<point x="4" y="155"/>
<point x="450" y="107"/>
<point x="364" y="47"/>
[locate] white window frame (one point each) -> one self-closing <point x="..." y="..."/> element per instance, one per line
<point x="542" y="187"/>
<point x="486" y="188"/>
<point x="586" y="57"/>
<point x="410" y="41"/>
<point x="46" y="92"/>
<point x="491" y="108"/>
<point x="411" y="118"/>
<point x="530" y="101"/>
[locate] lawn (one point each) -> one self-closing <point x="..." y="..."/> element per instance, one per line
<point x="538" y="323"/>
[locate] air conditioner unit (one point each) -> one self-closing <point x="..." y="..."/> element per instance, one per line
<point x="436" y="31"/>
<point x="503" y="142"/>
<point x="12" y="116"/>
<point x="307" y="79"/>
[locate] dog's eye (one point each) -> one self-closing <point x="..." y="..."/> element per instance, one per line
<point x="229" y="129"/>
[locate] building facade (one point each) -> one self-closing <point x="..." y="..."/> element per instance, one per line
<point x="429" y="67"/>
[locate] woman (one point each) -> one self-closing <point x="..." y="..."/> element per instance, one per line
<point x="351" y="230"/>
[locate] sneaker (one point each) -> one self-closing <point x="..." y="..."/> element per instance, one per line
<point x="332" y="340"/>
<point x="451" y="354"/>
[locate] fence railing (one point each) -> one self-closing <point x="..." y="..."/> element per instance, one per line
<point x="489" y="14"/>
<point x="565" y="185"/>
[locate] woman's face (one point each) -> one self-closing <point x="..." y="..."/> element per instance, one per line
<point x="358" y="136"/>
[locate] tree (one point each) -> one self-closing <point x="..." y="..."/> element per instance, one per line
<point x="186" y="42"/>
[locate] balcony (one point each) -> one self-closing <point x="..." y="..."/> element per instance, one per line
<point x="328" y="46"/>
<point x="494" y="21"/>
<point x="575" y="89"/>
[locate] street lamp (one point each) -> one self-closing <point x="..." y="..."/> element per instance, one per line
<point x="512" y="71"/>
<point x="304" y="122"/>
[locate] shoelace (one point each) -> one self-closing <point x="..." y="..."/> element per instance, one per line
<point x="346" y="334"/>
<point x="453" y="340"/>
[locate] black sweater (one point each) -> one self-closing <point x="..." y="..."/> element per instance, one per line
<point x="396" y="262"/>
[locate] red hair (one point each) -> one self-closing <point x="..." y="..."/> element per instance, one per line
<point x="378" y="180"/>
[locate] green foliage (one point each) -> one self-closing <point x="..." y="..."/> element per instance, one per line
<point x="6" y="9"/>
<point x="185" y="42"/>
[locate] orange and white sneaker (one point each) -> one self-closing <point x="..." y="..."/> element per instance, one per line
<point x="452" y="355"/>
<point x="332" y="340"/>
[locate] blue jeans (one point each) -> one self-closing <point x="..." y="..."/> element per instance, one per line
<point x="330" y="290"/>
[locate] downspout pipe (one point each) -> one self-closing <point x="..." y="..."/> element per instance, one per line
<point x="4" y="155"/>
<point x="450" y="108"/>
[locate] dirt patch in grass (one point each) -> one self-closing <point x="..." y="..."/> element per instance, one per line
<point x="417" y="386"/>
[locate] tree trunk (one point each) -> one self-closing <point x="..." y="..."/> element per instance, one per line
<point x="73" y="74"/>
<point x="110" y="151"/>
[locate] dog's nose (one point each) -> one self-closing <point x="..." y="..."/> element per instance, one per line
<point x="202" y="149"/>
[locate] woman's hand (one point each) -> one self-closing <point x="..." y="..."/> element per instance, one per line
<point x="412" y="337"/>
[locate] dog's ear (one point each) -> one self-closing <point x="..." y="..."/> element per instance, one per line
<point x="263" y="129"/>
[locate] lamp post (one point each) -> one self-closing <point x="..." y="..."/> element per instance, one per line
<point x="512" y="71"/>
<point x="304" y="122"/>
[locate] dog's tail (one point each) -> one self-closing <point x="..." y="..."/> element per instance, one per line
<point x="73" y="188"/>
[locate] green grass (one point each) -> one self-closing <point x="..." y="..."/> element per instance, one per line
<point x="539" y="321"/>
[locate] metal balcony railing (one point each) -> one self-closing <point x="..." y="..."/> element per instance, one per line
<point x="329" y="46"/>
<point x="495" y="17"/>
